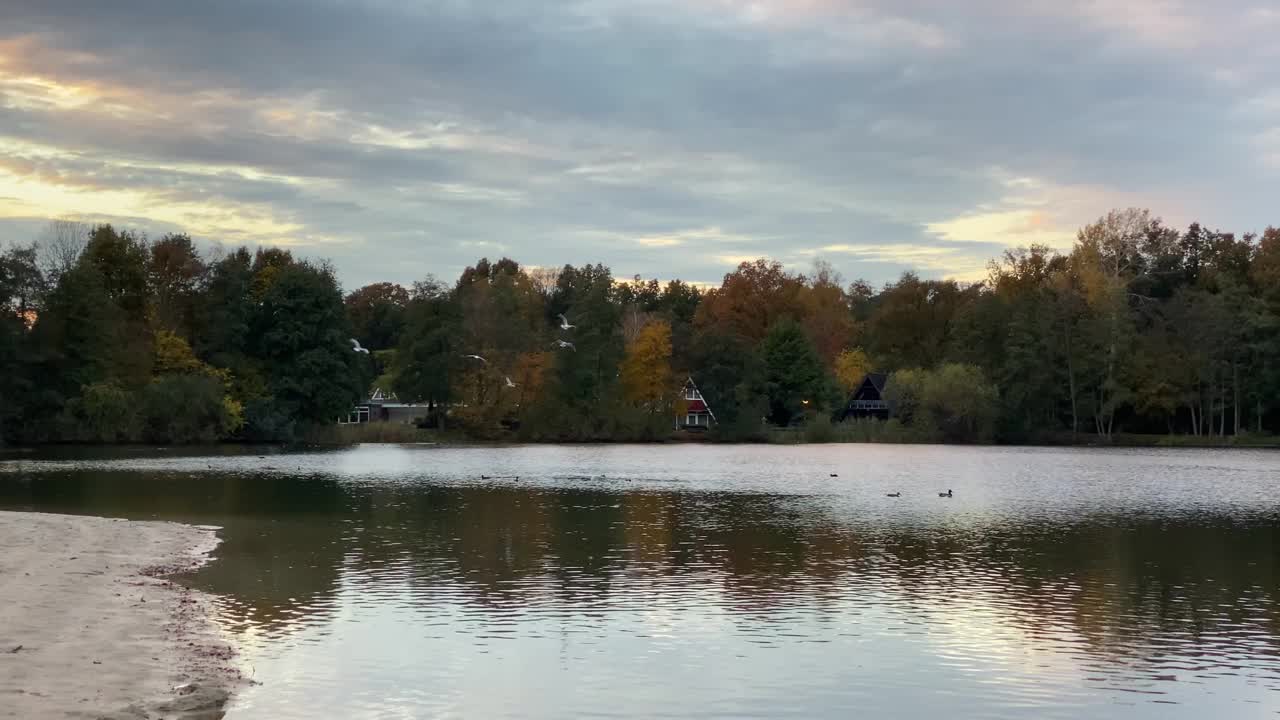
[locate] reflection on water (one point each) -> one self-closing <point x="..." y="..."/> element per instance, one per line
<point x="723" y="582"/>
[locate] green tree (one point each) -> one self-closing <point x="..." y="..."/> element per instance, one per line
<point x="585" y="388"/>
<point x="796" y="383"/>
<point x="958" y="402"/>
<point x="186" y="408"/>
<point x="500" y="317"/>
<point x="953" y="401"/>
<point x="428" y="355"/>
<point x="678" y="304"/>
<point x="904" y="392"/>
<point x="103" y="412"/>
<point x="20" y="284"/>
<point x="224" y="311"/>
<point x="730" y="374"/>
<point x="300" y="335"/>
<point x="120" y="260"/>
<point x="77" y="336"/>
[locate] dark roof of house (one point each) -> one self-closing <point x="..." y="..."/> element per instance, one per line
<point x="877" y="380"/>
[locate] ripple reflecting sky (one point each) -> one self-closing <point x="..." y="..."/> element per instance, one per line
<point x="710" y="582"/>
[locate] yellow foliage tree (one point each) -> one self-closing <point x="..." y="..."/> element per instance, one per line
<point x="851" y="366"/>
<point x="646" y="370"/>
<point x="173" y="356"/>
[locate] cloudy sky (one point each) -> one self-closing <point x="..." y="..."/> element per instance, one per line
<point x="662" y="137"/>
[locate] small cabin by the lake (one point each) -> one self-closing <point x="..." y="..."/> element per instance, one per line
<point x="867" y="400"/>
<point x="383" y="407"/>
<point x="696" y="413"/>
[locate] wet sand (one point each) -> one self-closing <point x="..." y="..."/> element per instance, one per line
<point x="91" y="628"/>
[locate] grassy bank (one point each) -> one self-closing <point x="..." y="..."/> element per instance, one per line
<point x="1246" y="440"/>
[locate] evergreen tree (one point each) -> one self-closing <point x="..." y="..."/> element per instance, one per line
<point x="299" y="334"/>
<point x="796" y="383"/>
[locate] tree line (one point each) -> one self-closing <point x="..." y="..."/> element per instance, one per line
<point x="1139" y="328"/>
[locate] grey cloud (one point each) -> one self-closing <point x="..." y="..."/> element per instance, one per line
<point x="844" y="137"/>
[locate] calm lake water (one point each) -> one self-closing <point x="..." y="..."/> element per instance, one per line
<point x="723" y="582"/>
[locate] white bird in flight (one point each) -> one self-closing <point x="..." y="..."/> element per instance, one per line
<point x="477" y="357"/>
<point x="355" y="345"/>
<point x="509" y="383"/>
<point x="564" y="323"/>
<point x="567" y="344"/>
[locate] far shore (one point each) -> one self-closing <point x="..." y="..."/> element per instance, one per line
<point x="91" y="627"/>
<point x="379" y="436"/>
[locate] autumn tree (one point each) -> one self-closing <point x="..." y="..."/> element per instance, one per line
<point x="851" y="366"/>
<point x="751" y="299"/>
<point x="646" y="368"/>
<point x="912" y="321"/>
<point x="175" y="271"/>
<point x="826" y="313"/>
<point x="377" y="314"/>
<point x="1108" y="254"/>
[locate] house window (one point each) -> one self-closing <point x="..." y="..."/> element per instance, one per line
<point x="690" y="394"/>
<point x="691" y="420"/>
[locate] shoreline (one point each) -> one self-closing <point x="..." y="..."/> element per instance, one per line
<point x="783" y="438"/>
<point x="91" y="626"/>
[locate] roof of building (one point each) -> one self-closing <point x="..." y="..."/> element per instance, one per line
<point x="700" y="405"/>
<point x="877" y="380"/>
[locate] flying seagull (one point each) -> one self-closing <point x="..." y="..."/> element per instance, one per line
<point x="564" y="323"/>
<point x="567" y="344"/>
<point x="509" y="383"/>
<point x="355" y="345"/>
<point x="476" y="357"/>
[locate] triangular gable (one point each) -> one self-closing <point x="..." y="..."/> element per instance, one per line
<point x="689" y="383"/>
<point x="871" y="387"/>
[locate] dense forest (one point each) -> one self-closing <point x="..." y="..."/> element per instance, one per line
<point x="108" y="336"/>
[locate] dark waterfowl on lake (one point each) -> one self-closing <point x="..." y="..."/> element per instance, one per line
<point x="894" y="494"/>
<point x="945" y="494"/>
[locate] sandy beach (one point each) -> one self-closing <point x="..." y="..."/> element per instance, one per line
<point x="91" y="628"/>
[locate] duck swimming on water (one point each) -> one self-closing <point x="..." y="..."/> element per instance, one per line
<point x="894" y="494"/>
<point x="945" y="494"/>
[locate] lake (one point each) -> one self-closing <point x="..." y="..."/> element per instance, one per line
<point x="700" y="581"/>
